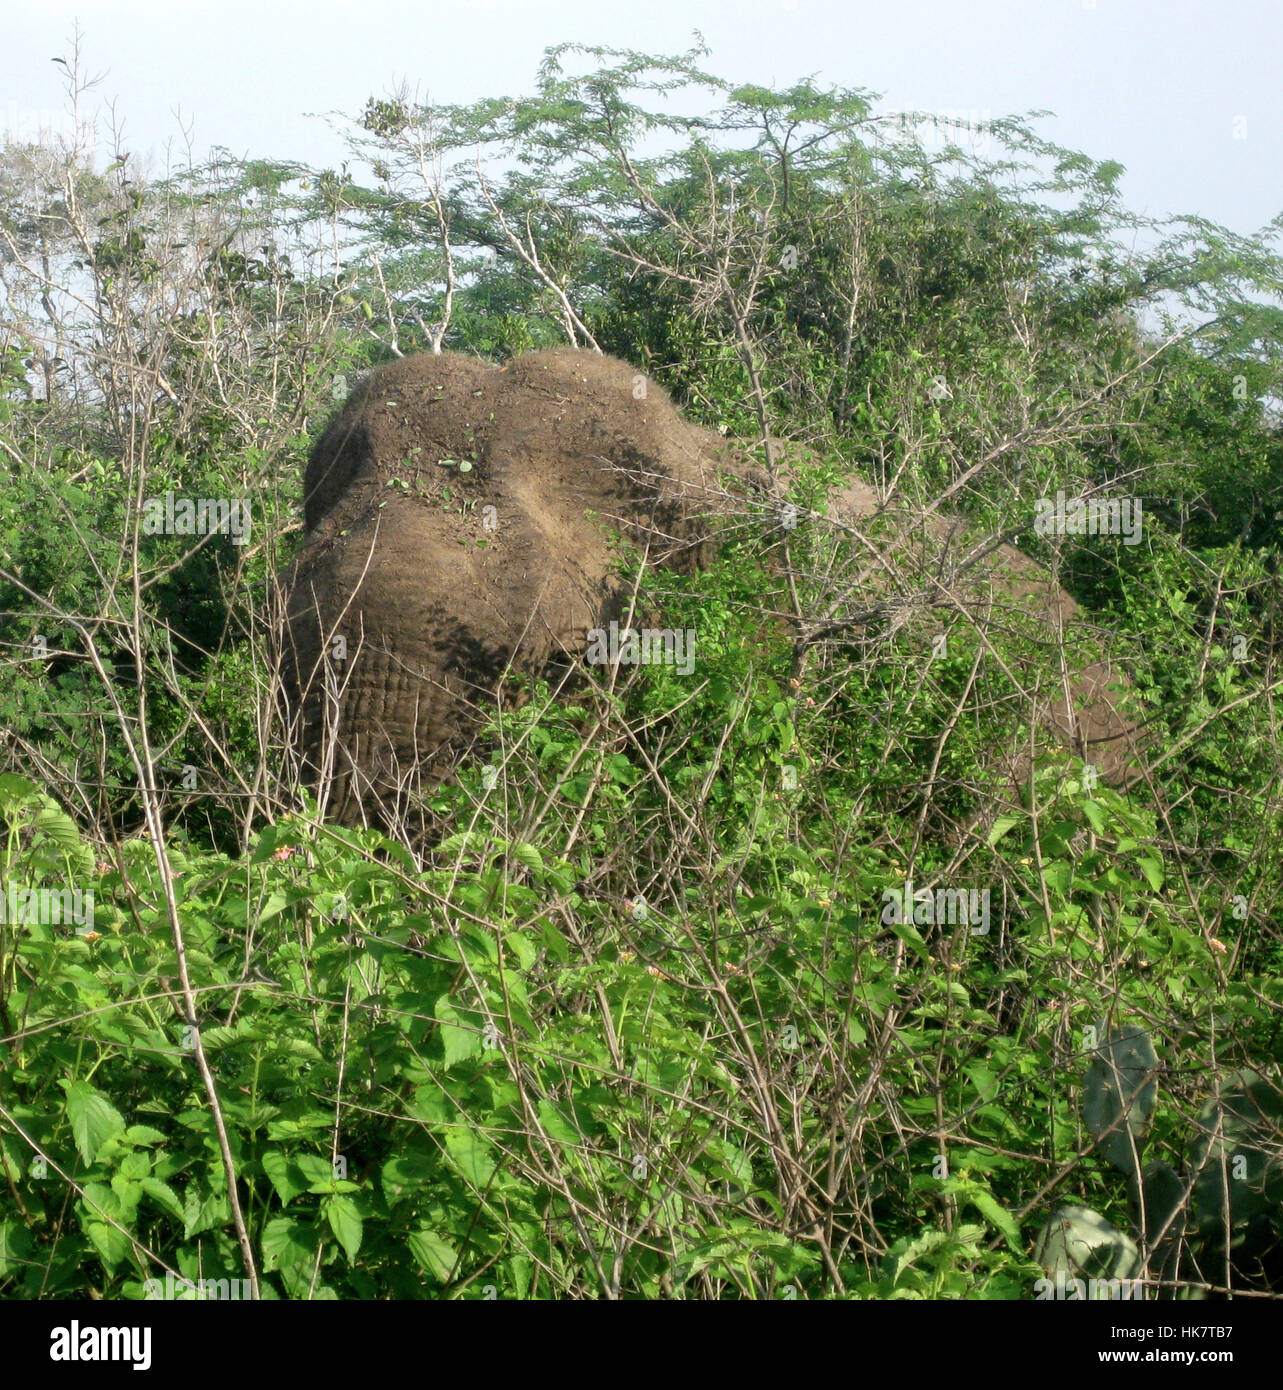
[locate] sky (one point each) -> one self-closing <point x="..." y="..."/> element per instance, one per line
<point x="1185" y="93"/>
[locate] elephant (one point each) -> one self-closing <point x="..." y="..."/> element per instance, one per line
<point x="462" y="521"/>
<point x="447" y="542"/>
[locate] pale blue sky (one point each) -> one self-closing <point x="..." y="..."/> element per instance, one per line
<point x="1159" y="85"/>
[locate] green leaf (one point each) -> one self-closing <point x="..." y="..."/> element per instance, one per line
<point x="527" y="855"/>
<point x="996" y="1214"/>
<point x="433" y="1253"/>
<point x="460" y="1042"/>
<point x="111" y="1243"/>
<point x="276" y="902"/>
<point x="345" y="1221"/>
<point x="287" y="1242"/>
<point x="523" y="948"/>
<point x="16" y="1248"/>
<point x="318" y="1172"/>
<point x="16" y="792"/>
<point x="409" y="1171"/>
<point x="557" y="1124"/>
<point x="470" y="1155"/>
<point x="134" y="1167"/>
<point x="204" y="1211"/>
<point x="1002" y="825"/>
<point x="1058" y="874"/>
<point x="285" y="1175"/>
<point x="911" y="937"/>
<point x="143" y="1136"/>
<point x="60" y="828"/>
<point x="163" y="1195"/>
<point x="1153" y="871"/>
<point x="94" y="1120"/>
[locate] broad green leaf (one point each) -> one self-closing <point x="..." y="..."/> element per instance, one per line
<point x="460" y="1040"/>
<point x="287" y="1241"/>
<point x="433" y="1253"/>
<point x="163" y="1195"/>
<point x="285" y="1175"/>
<point x="523" y="948"/>
<point x="557" y="1124"/>
<point x="111" y="1243"/>
<point x="94" y="1120"/>
<point x="410" y="1171"/>
<point x="345" y="1221"/>
<point x="276" y="901"/>
<point x="134" y="1166"/>
<point x="527" y="855"/>
<point x="16" y="1248"/>
<point x="1000" y="1217"/>
<point x="143" y="1136"/>
<point x="1058" y="874"/>
<point x="912" y="938"/>
<point x="1153" y="871"/>
<point x="1002" y="825"/>
<point x="470" y="1154"/>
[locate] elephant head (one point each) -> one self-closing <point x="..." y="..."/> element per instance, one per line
<point x="458" y="527"/>
<point x="458" y="518"/>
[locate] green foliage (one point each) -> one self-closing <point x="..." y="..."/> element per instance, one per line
<point x="61" y="558"/>
<point x="662" y="1010"/>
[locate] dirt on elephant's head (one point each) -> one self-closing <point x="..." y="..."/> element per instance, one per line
<point x="400" y="423"/>
<point x="565" y="430"/>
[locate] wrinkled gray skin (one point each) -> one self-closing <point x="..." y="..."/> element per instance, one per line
<point x="458" y="519"/>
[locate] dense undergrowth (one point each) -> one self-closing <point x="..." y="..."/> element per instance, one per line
<point x="757" y="985"/>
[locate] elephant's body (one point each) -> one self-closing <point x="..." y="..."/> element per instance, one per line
<point x="440" y="579"/>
